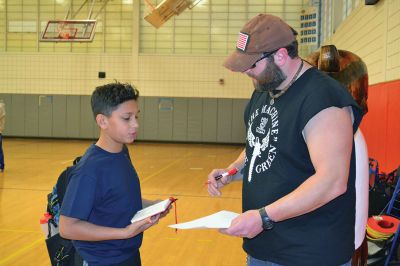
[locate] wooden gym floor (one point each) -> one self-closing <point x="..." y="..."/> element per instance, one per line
<point x="180" y="170"/>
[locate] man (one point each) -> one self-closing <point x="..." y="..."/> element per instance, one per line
<point x="298" y="167"/>
<point x="2" y="123"/>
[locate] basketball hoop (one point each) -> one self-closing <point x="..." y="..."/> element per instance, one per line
<point x="66" y="32"/>
<point x="69" y="31"/>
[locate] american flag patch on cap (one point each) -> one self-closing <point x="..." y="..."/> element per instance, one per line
<point x="241" y="43"/>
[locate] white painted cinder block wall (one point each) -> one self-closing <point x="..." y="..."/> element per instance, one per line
<point x="373" y="33"/>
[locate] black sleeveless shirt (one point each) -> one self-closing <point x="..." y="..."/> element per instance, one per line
<point x="277" y="162"/>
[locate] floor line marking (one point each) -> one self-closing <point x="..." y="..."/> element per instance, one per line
<point x="24" y="189"/>
<point x="68" y="161"/>
<point x="204" y="240"/>
<point x="18" y="231"/>
<point x="165" y="167"/>
<point x="172" y="238"/>
<point x="21" y="251"/>
<point x="189" y="196"/>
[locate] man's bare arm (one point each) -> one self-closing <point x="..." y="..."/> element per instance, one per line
<point x="329" y="138"/>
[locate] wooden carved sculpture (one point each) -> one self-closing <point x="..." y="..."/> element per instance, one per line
<point x="345" y="67"/>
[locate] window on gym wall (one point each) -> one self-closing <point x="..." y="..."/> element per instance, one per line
<point x="210" y="27"/>
<point x="20" y="25"/>
<point x="334" y="13"/>
<point x="349" y="6"/>
<point x="22" y="21"/>
<point x="326" y="20"/>
<point x="2" y="26"/>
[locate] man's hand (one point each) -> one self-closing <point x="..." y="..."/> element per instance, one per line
<point x="248" y="225"/>
<point x="213" y="185"/>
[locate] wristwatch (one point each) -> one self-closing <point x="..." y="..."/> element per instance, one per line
<point x="267" y="223"/>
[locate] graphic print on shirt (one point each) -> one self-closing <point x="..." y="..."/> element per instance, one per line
<point x="262" y="134"/>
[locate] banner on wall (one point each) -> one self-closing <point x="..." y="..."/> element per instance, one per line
<point x="309" y="26"/>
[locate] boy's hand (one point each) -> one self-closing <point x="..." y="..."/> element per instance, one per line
<point x="165" y="213"/>
<point x="138" y="227"/>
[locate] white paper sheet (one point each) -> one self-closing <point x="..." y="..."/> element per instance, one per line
<point x="221" y="219"/>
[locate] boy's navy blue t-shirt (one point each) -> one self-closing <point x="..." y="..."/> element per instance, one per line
<point x="104" y="190"/>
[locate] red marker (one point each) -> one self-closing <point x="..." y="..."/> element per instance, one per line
<point x="229" y="173"/>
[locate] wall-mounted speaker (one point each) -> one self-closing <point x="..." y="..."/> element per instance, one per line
<point x="371" y="2"/>
<point x="102" y="75"/>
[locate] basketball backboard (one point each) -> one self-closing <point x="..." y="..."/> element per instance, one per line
<point x="69" y="31"/>
<point x="165" y="10"/>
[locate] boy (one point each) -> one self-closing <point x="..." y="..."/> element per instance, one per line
<point x="104" y="191"/>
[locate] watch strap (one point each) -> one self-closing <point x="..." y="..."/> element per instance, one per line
<point x="267" y="223"/>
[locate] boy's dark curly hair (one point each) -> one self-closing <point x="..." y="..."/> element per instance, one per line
<point x="105" y="99"/>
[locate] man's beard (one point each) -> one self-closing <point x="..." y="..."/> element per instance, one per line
<point x="270" y="78"/>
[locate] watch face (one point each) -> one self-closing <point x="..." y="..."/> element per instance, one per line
<point x="267" y="223"/>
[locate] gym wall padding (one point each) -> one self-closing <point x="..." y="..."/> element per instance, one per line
<point x="381" y="125"/>
<point x="161" y="119"/>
